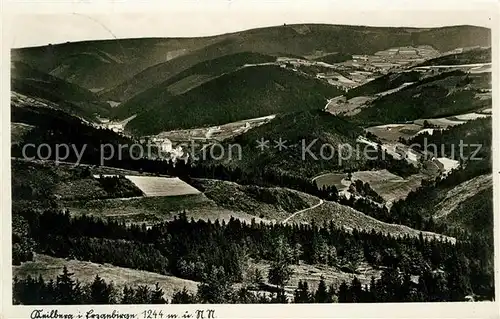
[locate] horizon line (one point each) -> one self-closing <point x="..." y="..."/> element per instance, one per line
<point x="417" y="28"/>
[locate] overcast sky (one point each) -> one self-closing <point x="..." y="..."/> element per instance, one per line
<point x="195" y="19"/>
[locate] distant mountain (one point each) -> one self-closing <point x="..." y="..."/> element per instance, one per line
<point x="134" y="65"/>
<point x="195" y="76"/>
<point x="96" y="65"/>
<point x="304" y="40"/>
<point x="246" y="93"/>
<point x="69" y="97"/>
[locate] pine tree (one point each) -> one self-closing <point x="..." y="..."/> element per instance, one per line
<point x="322" y="295"/>
<point x="128" y="295"/>
<point x="343" y="292"/>
<point x="279" y="273"/>
<point x="302" y="294"/>
<point x="142" y="295"/>
<point x="100" y="292"/>
<point x="65" y="288"/>
<point x="183" y="297"/>
<point x="356" y="291"/>
<point x="157" y="295"/>
<point x="216" y="287"/>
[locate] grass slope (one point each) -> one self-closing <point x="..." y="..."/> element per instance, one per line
<point x="349" y="218"/>
<point x="151" y="210"/>
<point x="247" y="93"/>
<point x="51" y="267"/>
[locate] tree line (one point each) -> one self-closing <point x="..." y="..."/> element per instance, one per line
<point x="200" y="249"/>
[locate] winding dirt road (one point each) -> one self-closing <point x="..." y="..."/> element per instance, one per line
<point x="301" y="211"/>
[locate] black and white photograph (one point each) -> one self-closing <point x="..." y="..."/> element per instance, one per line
<point x="218" y="160"/>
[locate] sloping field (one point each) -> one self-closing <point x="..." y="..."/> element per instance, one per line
<point x="395" y="189"/>
<point x="470" y="116"/>
<point x="162" y="186"/>
<point x="388" y="185"/>
<point x="271" y="203"/>
<point x="349" y="218"/>
<point x="50" y="268"/>
<point x="336" y="179"/>
<point x="462" y="193"/>
<point x="348" y="107"/>
<point x="150" y="210"/>
<point x="67" y="166"/>
<point x="440" y="122"/>
<point x="392" y="132"/>
<point x="220" y="132"/>
<point x="474" y="214"/>
<point x="376" y="177"/>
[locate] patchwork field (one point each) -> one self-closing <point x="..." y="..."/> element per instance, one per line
<point x="50" y="268"/>
<point x="162" y="186"/>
